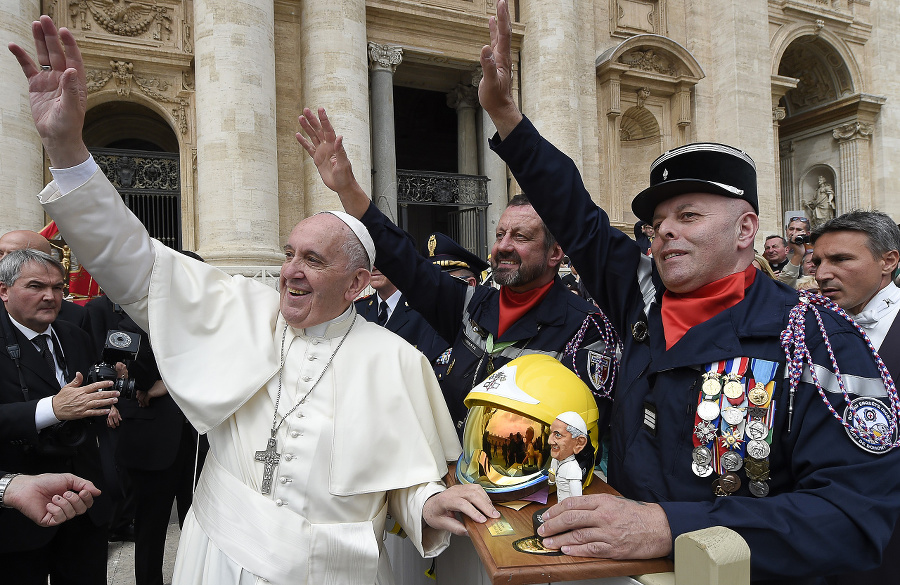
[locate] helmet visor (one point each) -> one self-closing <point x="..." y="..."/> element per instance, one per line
<point x="504" y="452"/>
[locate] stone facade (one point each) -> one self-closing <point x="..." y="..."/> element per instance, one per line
<point x="806" y="87"/>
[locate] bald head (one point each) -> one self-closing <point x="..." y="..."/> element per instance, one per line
<point x="23" y="240"/>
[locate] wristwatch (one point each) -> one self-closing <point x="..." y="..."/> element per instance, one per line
<point x="4" y="482"/>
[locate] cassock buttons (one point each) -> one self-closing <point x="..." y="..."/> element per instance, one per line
<point x="279" y="502"/>
<point x="288" y="456"/>
<point x="306" y="378"/>
<point x="312" y="358"/>
<point x="295" y="434"/>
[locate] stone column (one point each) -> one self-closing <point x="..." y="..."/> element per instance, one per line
<point x="21" y="154"/>
<point x="237" y="173"/>
<point x="464" y="99"/>
<point x="383" y="62"/>
<point x="778" y="114"/>
<point x="790" y="195"/>
<point x="853" y="141"/>
<point x="551" y="69"/>
<point x="493" y="167"/>
<point x="336" y="77"/>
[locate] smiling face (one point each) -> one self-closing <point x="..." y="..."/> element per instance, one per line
<point x="519" y="257"/>
<point x="701" y="238"/>
<point x="561" y="443"/>
<point x="846" y="270"/>
<point x="35" y="298"/>
<point x="316" y="282"/>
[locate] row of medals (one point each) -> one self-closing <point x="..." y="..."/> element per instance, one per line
<point x="756" y="463"/>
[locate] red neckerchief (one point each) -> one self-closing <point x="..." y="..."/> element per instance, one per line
<point x="514" y="305"/>
<point x="680" y="312"/>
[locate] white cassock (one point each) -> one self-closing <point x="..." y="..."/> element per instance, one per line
<point x="372" y="437"/>
<point x="568" y="477"/>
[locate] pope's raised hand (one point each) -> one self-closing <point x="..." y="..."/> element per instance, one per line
<point x="57" y="91"/>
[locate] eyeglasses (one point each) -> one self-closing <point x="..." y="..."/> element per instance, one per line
<point x="803" y="219"/>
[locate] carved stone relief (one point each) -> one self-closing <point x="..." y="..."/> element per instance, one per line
<point x="823" y="76"/>
<point x="649" y="60"/>
<point x="123" y="17"/>
<point x="384" y="56"/>
<point x="853" y="130"/>
<point x="152" y="87"/>
<point x="632" y="17"/>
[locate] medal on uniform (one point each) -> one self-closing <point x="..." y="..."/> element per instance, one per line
<point x="708" y="410"/>
<point x="702" y="456"/>
<point x="731" y="461"/>
<point x="712" y="379"/>
<point x="705" y="431"/>
<point x="733" y="388"/>
<point x="758" y="449"/>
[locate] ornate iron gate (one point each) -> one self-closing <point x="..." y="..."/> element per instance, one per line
<point x="465" y="195"/>
<point x="150" y="185"/>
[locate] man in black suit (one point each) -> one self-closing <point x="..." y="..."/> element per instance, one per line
<point x="44" y="415"/>
<point x="387" y="307"/>
<point x="22" y="239"/>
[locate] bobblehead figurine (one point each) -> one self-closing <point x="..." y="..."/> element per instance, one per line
<point x="568" y="436"/>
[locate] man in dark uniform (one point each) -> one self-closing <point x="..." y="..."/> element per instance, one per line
<point x="704" y="421"/>
<point x="446" y="253"/>
<point x="857" y="253"/>
<point x="388" y="307"/>
<point x="22" y="239"/>
<point x="44" y="414"/>
<point x="533" y="312"/>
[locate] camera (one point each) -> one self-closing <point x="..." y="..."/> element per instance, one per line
<point x="120" y="346"/>
<point x="801" y="239"/>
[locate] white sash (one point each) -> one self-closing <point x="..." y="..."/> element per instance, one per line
<point x="269" y="541"/>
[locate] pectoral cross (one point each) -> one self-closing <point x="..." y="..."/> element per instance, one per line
<point x="270" y="458"/>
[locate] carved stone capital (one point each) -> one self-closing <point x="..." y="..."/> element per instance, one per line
<point x="384" y="57"/>
<point x="462" y="96"/>
<point x="853" y="130"/>
<point x="477" y="75"/>
<point x="778" y="114"/>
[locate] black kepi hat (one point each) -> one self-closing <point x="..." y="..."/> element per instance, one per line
<point x="450" y="256"/>
<point x="702" y="167"/>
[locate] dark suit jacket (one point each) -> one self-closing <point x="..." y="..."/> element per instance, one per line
<point x="75" y="314"/>
<point x="148" y="438"/>
<point x="20" y="441"/>
<point x="407" y="323"/>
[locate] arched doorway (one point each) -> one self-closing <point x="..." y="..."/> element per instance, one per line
<point x="138" y="152"/>
<point x="824" y="146"/>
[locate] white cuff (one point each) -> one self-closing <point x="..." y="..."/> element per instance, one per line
<point x="73" y="177"/>
<point x="43" y="414"/>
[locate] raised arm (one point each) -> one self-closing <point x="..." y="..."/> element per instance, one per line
<point x="57" y="91"/>
<point x="495" y="89"/>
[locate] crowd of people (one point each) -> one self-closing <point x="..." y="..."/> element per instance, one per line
<point x="727" y="397"/>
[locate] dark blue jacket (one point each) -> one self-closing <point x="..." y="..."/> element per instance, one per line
<point x="407" y="323"/>
<point x="467" y="315"/>
<point x="831" y="507"/>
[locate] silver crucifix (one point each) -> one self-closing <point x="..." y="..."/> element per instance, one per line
<point x="270" y="458"/>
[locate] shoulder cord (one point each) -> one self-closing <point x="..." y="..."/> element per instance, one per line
<point x="793" y="339"/>
<point x="613" y="348"/>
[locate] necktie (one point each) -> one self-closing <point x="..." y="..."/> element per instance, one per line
<point x="41" y="342"/>
<point x="382" y="313"/>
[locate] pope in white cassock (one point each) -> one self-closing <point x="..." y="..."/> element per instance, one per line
<point x="319" y="422"/>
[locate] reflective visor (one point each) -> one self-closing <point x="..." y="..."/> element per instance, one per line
<point x="504" y="452"/>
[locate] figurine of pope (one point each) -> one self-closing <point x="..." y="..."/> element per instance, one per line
<point x="568" y="436"/>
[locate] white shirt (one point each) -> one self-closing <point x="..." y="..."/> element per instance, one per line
<point x="43" y="413"/>
<point x="878" y="315"/>
<point x="391" y="302"/>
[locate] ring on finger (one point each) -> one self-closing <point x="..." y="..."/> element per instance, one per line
<point x="46" y="67"/>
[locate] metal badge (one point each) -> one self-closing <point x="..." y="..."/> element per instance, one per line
<point x="758" y="449"/>
<point x="730" y="482"/>
<point x="760" y="489"/>
<point x="757" y="430"/>
<point x="640" y="332"/>
<point x="733" y="415"/>
<point x="700" y="470"/>
<point x="758" y="395"/>
<point x="711" y="384"/>
<point x="731" y="461"/>
<point x="702" y="456"/>
<point x="757" y="413"/>
<point x="756" y="470"/>
<point x="708" y="410"/>
<point x="705" y="431"/>
<point x="733" y="388"/>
